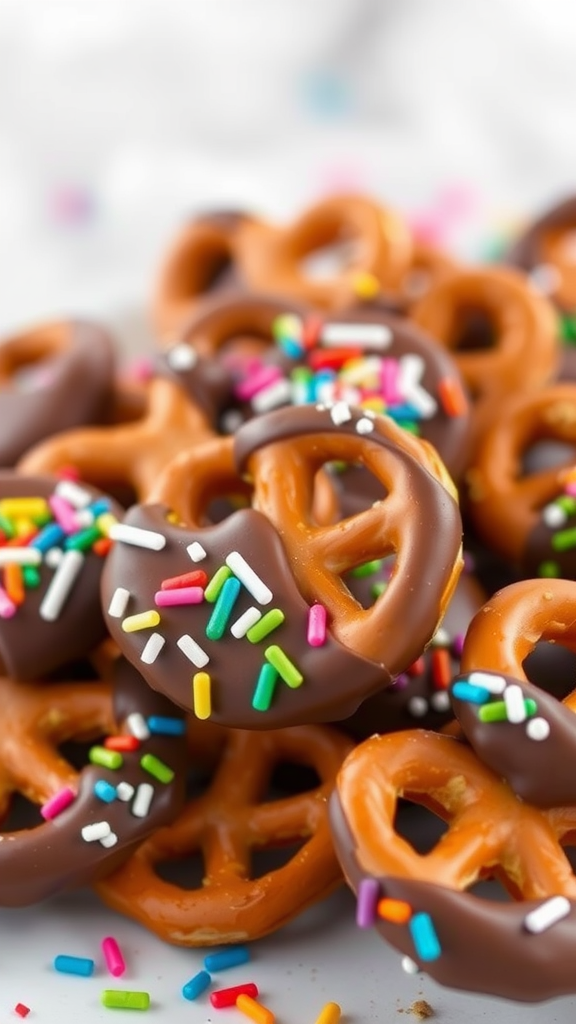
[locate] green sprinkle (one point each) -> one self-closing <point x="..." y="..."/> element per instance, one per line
<point x="265" y="686"/>
<point x="377" y="589"/>
<point x="567" y="503"/>
<point x="223" y="608"/>
<point x="155" y="767"/>
<point x="83" y="540"/>
<point x="496" y="711"/>
<point x="564" y="539"/>
<point x="30" y="576"/>
<point x="550" y="570"/>
<point x="285" y="668"/>
<point x="265" y="625"/>
<point x="215" y="585"/>
<point x="42" y="518"/>
<point x="568" y="329"/>
<point x="105" y="758"/>
<point x="119" y="999"/>
<point x="301" y="374"/>
<point x="7" y="527"/>
<point x="368" y="569"/>
<point x="411" y="426"/>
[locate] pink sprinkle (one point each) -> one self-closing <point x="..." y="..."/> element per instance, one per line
<point x="7" y="606"/>
<point x="53" y="807"/>
<point x="316" y="625"/>
<point x="180" y="595"/>
<point x="64" y="514"/>
<point x="257" y="381"/>
<point x="113" y="956"/>
<point x="140" y="370"/>
<point x="570" y="489"/>
<point x="389" y="381"/>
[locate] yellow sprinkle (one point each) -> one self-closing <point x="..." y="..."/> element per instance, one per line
<point x="14" y="508"/>
<point x="173" y="517"/>
<point x="376" y="404"/>
<point x="24" y="526"/>
<point x="142" y="621"/>
<point x="201" y="684"/>
<point x="255" y="1011"/>
<point x="365" y="285"/>
<point x="329" y="1014"/>
<point x="105" y="522"/>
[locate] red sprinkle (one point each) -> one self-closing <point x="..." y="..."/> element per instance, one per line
<point x="21" y="1010"/>
<point x="68" y="473"/>
<point x="102" y="546"/>
<point x="441" y="668"/>
<point x="311" y="331"/>
<point x="333" y="358"/>
<point x="228" y="996"/>
<point x="122" y="743"/>
<point x="196" y="578"/>
<point x="416" y="668"/>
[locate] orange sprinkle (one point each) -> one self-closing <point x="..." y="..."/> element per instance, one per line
<point x="416" y="668"/>
<point x="441" y="668"/>
<point x="452" y="397"/>
<point x="332" y="358"/>
<point x="14" y="583"/>
<point x="397" y="911"/>
<point x="255" y="1011"/>
<point x="102" y="546"/>
<point x="122" y="743"/>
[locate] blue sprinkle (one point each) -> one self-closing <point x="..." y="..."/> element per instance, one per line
<point x="99" y="507"/>
<point x="290" y="346"/>
<point x="48" y="538"/>
<point x="231" y="957"/>
<point x="223" y="608"/>
<point x="197" y="985"/>
<point x="164" y="726"/>
<point x="104" y="791"/>
<point x="471" y="694"/>
<point x="403" y="412"/>
<point x="74" y="965"/>
<point x="424" y="937"/>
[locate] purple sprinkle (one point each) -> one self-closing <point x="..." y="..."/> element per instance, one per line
<point x="400" y="683"/>
<point x="457" y="645"/>
<point x="368" y="894"/>
<point x="469" y="562"/>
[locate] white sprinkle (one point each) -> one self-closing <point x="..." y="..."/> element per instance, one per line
<point x="137" y="726"/>
<point x="109" y="841"/>
<point x="20" y="556"/>
<point x="410" y="371"/>
<point x="545" y="278"/>
<point x="84" y="518"/>
<point x="409" y="966"/>
<point x="340" y="413"/>
<point x="320" y="407"/>
<point x="440" y="700"/>
<point x="547" y="914"/>
<point x="359" y="335"/>
<point x="278" y="393"/>
<point x="441" y="638"/>
<point x="152" y="649"/>
<point x="71" y="492"/>
<point x="514" y="701"/>
<point x="488" y="680"/>
<point x="231" y="420"/>
<point x="554" y="516"/>
<point x="417" y="707"/>
<point x="193" y="651"/>
<point x="537" y="729"/>
<point x="135" y="535"/>
<point x="196" y="551"/>
<point x="250" y="617"/>
<point x="182" y="357"/>
<point x="326" y="390"/>
<point x="141" y="805"/>
<point x="95" y="832"/>
<point x="124" y="791"/>
<point x="119" y="602"/>
<point x="248" y="578"/>
<point x="364" y="426"/>
<point x="61" y="584"/>
<point x="53" y="557"/>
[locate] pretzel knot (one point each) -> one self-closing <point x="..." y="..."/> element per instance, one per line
<point x="419" y="902"/>
<point x="91" y="822"/>
<point x="529" y="516"/>
<point x="242" y="645"/>
<point x="501" y="331"/>
<point x="228" y="824"/>
<point x="52" y="378"/>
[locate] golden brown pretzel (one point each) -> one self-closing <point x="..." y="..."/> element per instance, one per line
<point x="427" y="913"/>
<point x="527" y="516"/>
<point x="303" y="563"/>
<point x="226" y="825"/>
<point x="522" y="353"/>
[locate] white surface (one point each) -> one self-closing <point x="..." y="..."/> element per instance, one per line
<point x="320" y="957"/>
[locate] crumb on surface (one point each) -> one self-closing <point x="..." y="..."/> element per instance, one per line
<point x="421" y="1009"/>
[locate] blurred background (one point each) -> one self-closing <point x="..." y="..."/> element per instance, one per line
<point x="119" y="118"/>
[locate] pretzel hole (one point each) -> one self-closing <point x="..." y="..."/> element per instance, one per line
<point x="330" y="257"/>
<point x="473" y="330"/>
<point x="551" y="667"/>
<point x="200" y="276"/>
<point x="547" y="454"/>
<point x="21" y="814"/>
<point x="419" y="826"/>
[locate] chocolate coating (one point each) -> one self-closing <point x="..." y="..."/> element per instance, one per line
<point x="36" y="863"/>
<point x="74" y="388"/>
<point x="535" y="769"/>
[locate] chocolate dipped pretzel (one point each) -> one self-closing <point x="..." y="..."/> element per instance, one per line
<point x="529" y="517"/>
<point x="546" y="251"/>
<point x="94" y="818"/>
<point x="420" y="903"/>
<point x="54" y="535"/>
<point x="501" y="331"/>
<point x="52" y="377"/>
<point x="266" y="603"/>
<point x="226" y="824"/>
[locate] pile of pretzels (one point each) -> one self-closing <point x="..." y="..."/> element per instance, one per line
<point x="314" y="563"/>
